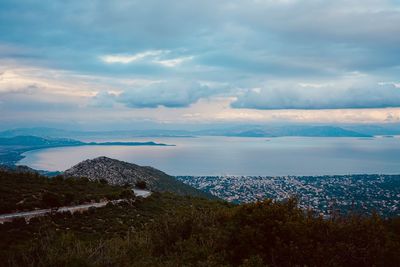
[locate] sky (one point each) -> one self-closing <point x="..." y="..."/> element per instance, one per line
<point x="119" y="64"/>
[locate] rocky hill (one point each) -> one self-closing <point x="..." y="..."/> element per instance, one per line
<point x="120" y="173"/>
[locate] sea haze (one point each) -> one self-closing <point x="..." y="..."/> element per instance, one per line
<point x="239" y="156"/>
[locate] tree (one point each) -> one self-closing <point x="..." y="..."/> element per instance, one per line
<point x="141" y="184"/>
<point x="69" y="198"/>
<point x="51" y="200"/>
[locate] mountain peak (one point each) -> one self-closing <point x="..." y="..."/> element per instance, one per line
<point x="113" y="171"/>
<point x="118" y="172"/>
<point x="107" y="160"/>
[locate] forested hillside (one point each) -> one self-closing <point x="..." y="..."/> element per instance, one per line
<point x="28" y="191"/>
<point x="171" y="230"/>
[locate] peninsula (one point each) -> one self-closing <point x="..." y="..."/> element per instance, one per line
<point x="12" y="148"/>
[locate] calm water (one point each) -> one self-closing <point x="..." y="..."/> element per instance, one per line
<point x="239" y="156"/>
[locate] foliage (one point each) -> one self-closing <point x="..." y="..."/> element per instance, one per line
<point x="51" y="200"/>
<point x="167" y="230"/>
<point x="141" y="184"/>
<point x="28" y="191"/>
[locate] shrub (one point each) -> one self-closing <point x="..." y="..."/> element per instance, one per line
<point x="51" y="200"/>
<point x="141" y="184"/>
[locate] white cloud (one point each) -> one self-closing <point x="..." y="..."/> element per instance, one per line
<point x="126" y="59"/>
<point x="61" y="83"/>
<point x="159" y="57"/>
<point x="172" y="62"/>
<point x="395" y="84"/>
<point x="315" y="85"/>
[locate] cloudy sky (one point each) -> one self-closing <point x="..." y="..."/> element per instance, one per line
<point x="120" y="63"/>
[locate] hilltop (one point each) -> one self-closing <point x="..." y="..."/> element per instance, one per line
<point x="118" y="172"/>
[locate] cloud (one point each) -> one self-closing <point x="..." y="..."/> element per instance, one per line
<point x="125" y="59"/>
<point x="243" y="35"/>
<point x="354" y="20"/>
<point x="171" y="94"/>
<point x="33" y="98"/>
<point x="59" y="83"/>
<point x="159" y="57"/>
<point x="104" y="99"/>
<point x="162" y="55"/>
<point x="172" y="62"/>
<point x="314" y="96"/>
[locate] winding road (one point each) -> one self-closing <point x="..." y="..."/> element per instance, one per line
<point x="78" y="208"/>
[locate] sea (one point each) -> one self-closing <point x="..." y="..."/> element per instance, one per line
<point x="215" y="156"/>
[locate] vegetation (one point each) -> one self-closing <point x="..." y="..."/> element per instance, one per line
<point x="28" y="191"/>
<point x="169" y="230"/>
<point x="96" y="225"/>
<point x="141" y="184"/>
<point x="119" y="173"/>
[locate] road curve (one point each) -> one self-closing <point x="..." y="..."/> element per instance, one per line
<point x="36" y="213"/>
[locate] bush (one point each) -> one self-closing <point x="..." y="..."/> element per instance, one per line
<point x="165" y="230"/>
<point x="141" y="184"/>
<point x="127" y="194"/>
<point x="51" y="200"/>
<point x="259" y="234"/>
<point x="103" y="181"/>
<point x="28" y="191"/>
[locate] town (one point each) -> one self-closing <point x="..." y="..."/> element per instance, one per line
<point x="325" y="195"/>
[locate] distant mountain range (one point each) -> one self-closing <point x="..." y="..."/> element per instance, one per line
<point x="117" y="172"/>
<point x="11" y="148"/>
<point x="356" y="130"/>
<point x="281" y="131"/>
<point x="40" y="141"/>
<point x="37" y="141"/>
<point x="60" y="133"/>
<point x="26" y="169"/>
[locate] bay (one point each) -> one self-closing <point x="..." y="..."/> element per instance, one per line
<point x="238" y="155"/>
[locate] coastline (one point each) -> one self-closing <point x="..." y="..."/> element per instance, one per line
<point x="10" y="157"/>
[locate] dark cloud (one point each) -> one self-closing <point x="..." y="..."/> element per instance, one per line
<point x="274" y="37"/>
<point x="243" y="43"/>
<point x="381" y="96"/>
<point x="172" y="94"/>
